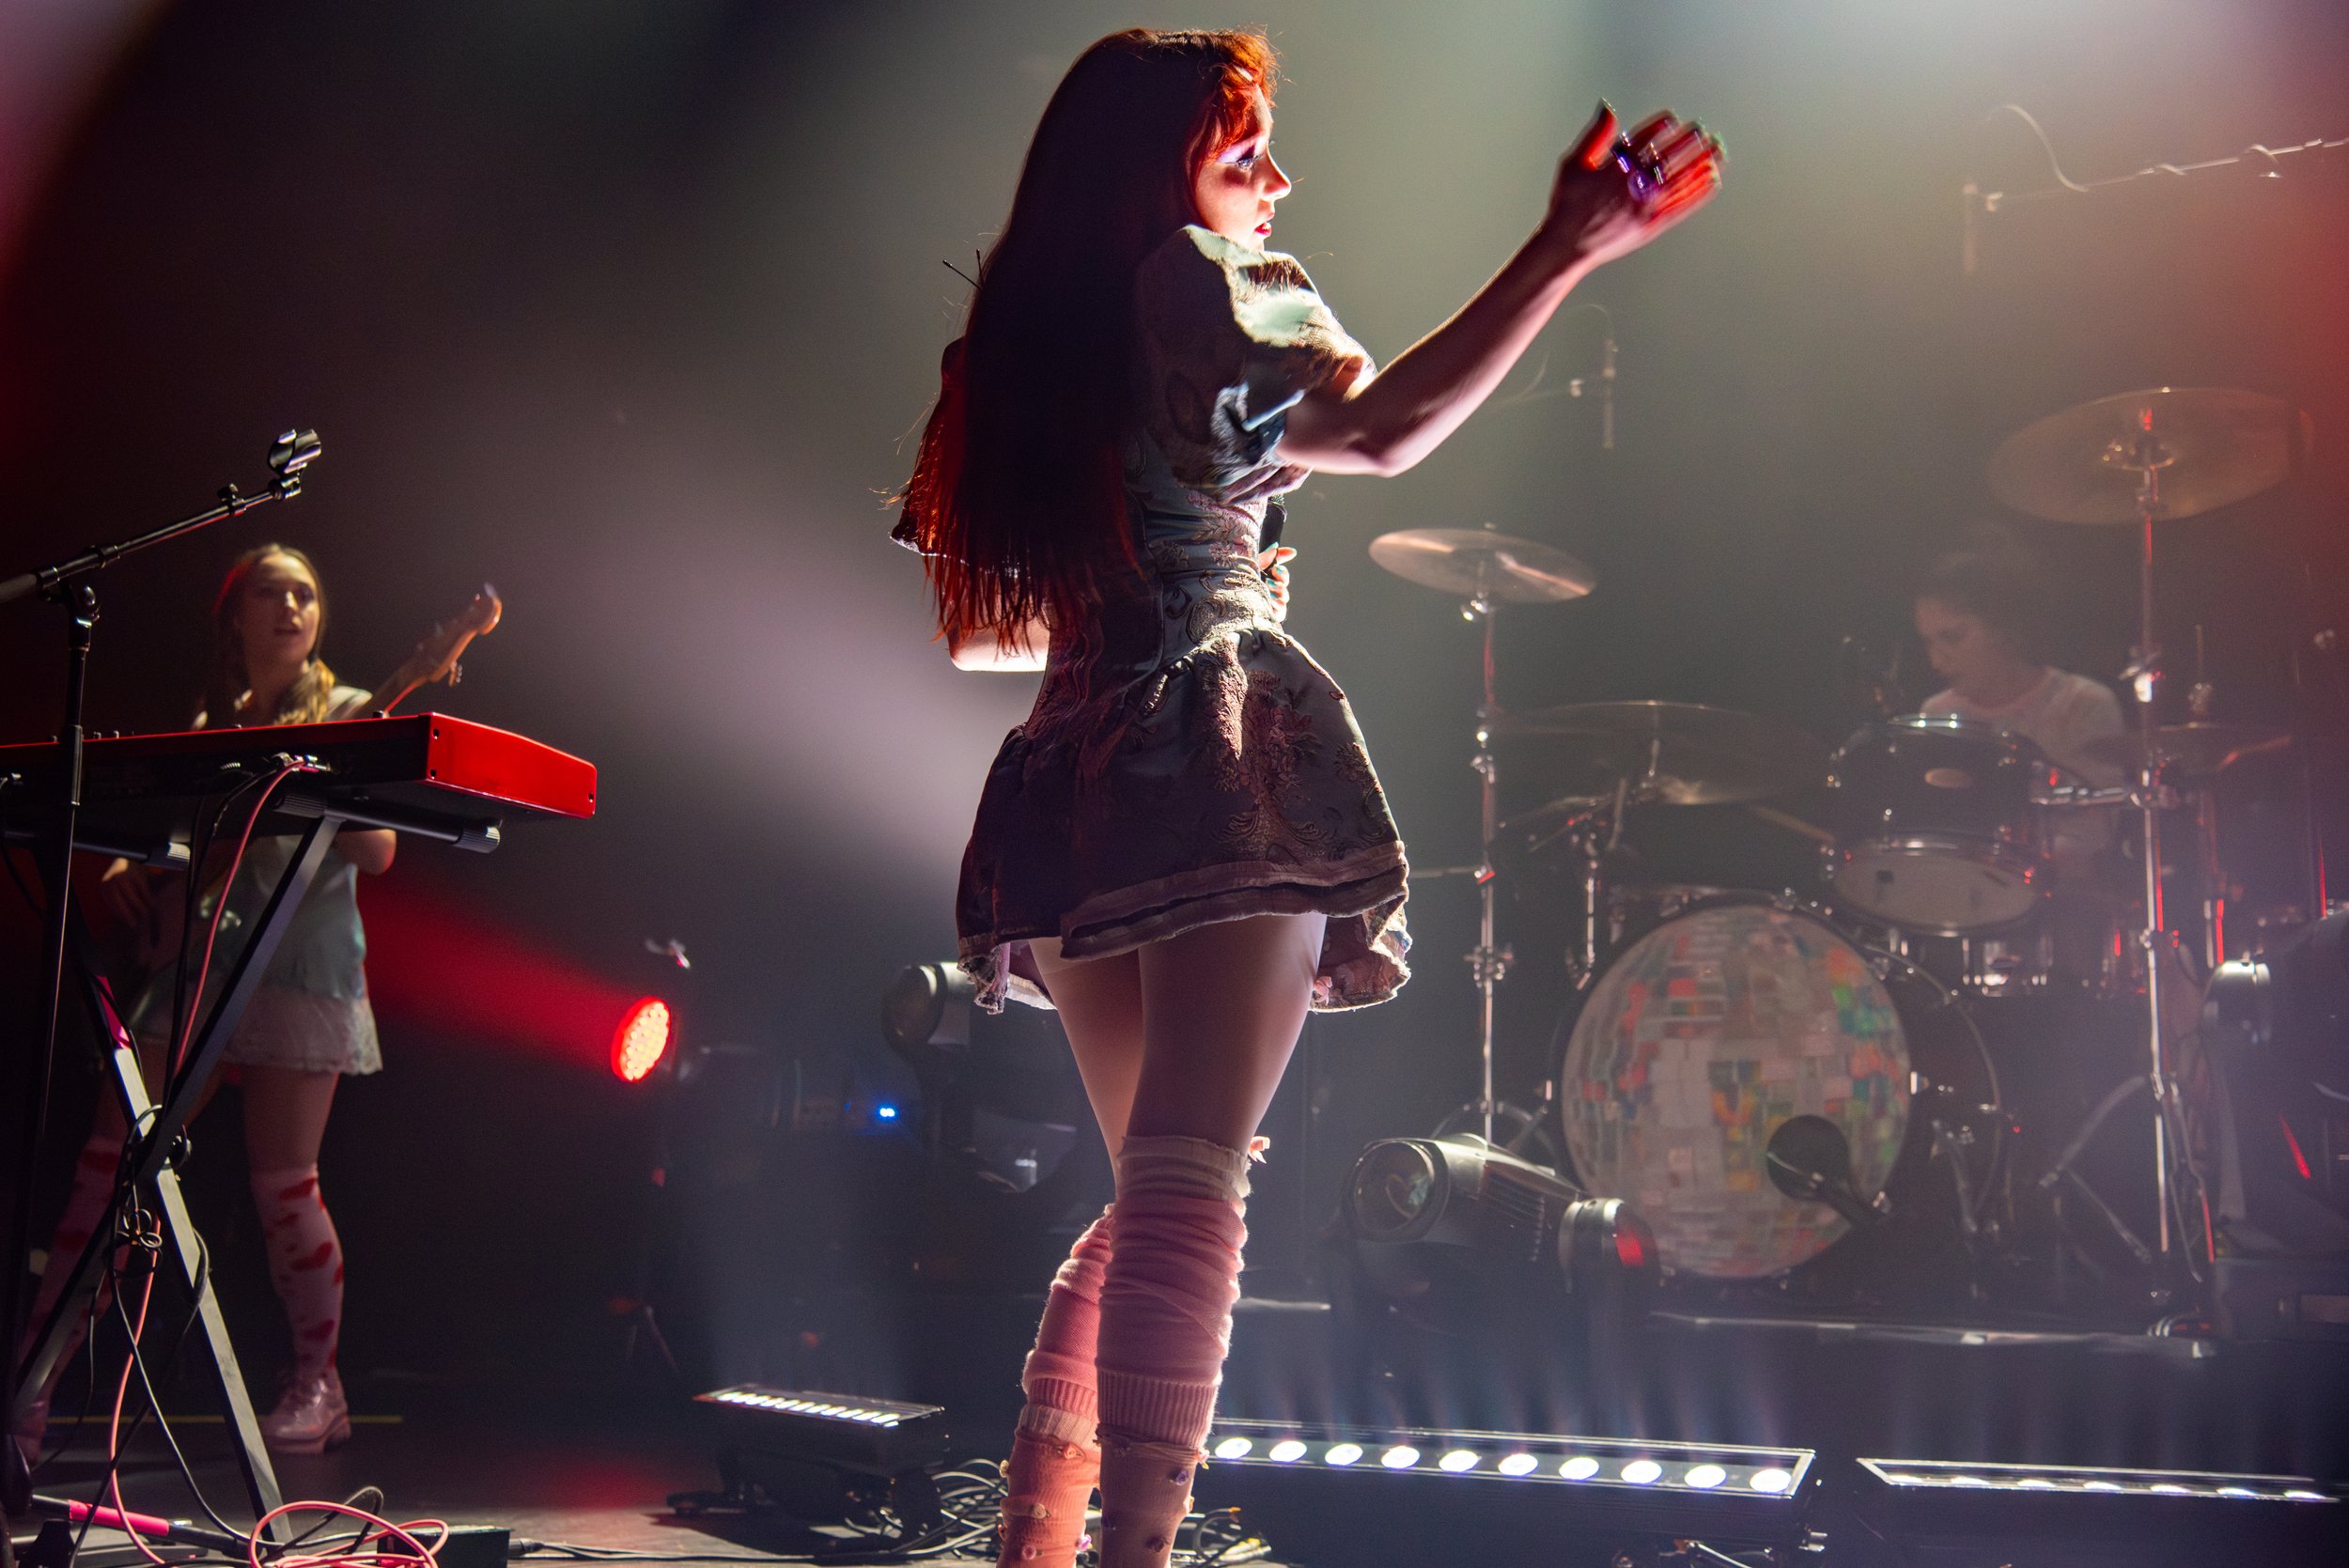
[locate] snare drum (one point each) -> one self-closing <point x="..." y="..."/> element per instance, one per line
<point x="1935" y="829"/>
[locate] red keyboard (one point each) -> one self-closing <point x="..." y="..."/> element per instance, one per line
<point x="420" y="772"/>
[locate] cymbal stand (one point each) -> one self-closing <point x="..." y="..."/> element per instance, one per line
<point x="1489" y="961"/>
<point x="2148" y="456"/>
<point x="2210" y="870"/>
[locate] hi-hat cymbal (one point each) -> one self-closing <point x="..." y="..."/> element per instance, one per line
<point x="1673" y="754"/>
<point x="2197" y="751"/>
<point x="2206" y="447"/>
<point x="1476" y="563"/>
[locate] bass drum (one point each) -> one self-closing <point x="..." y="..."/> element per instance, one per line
<point x="1706" y="1035"/>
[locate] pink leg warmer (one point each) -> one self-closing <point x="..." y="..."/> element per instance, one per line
<point x="85" y="1207"/>
<point x="1174" y="1274"/>
<point x="306" y="1263"/>
<point x="1063" y="1398"/>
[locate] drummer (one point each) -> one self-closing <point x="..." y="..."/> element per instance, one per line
<point x="1981" y="616"/>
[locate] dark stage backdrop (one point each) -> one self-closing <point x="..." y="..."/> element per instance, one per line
<point x="632" y="309"/>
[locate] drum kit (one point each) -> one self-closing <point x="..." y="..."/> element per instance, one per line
<point x="1764" y="1073"/>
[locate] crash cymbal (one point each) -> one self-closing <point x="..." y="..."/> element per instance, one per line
<point x="2197" y="751"/>
<point x="2207" y="447"/>
<point x="1670" y="753"/>
<point x="1476" y="563"/>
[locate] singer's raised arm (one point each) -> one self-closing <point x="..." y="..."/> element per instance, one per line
<point x="1386" y="423"/>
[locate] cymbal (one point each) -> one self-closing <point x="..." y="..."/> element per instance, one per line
<point x="2207" y="446"/>
<point x="1673" y="754"/>
<point x="2197" y="751"/>
<point x="1476" y="563"/>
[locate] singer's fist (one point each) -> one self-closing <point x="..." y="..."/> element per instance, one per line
<point x="1614" y="194"/>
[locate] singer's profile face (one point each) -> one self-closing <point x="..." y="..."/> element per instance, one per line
<point x="278" y="619"/>
<point x="1238" y="184"/>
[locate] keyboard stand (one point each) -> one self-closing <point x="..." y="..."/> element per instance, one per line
<point x="149" y="1162"/>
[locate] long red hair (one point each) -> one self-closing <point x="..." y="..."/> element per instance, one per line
<point x="1018" y="498"/>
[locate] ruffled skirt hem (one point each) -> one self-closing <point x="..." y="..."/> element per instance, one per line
<point x="1363" y="958"/>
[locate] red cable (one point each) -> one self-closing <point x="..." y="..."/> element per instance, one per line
<point x="353" y="1556"/>
<point x="113" y="1428"/>
<point x="212" y="932"/>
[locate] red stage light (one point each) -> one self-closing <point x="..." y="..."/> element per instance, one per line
<point x="641" y="1041"/>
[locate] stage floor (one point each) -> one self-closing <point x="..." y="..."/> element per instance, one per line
<point x="592" y="1462"/>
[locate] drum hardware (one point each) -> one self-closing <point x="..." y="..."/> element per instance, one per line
<point x="1646" y="753"/>
<point x="1491" y="570"/>
<point x="1675" y="754"/>
<point x="1935" y="829"/>
<point x="2136" y="458"/>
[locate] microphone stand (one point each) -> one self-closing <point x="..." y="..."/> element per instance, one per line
<point x="63" y="582"/>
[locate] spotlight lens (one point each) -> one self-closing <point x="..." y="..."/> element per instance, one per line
<point x="1457" y="1461"/>
<point x="1396" y="1190"/>
<point x="1233" y="1448"/>
<point x="1400" y="1457"/>
<point x="1288" y="1450"/>
<point x="641" y="1041"/>
<point x="2172" y="1489"/>
<point x="1516" y="1464"/>
<point x="1642" y="1472"/>
<point x="2302" y="1494"/>
<point x="2089" y="1485"/>
<point x="1772" y="1480"/>
<point x="1343" y="1453"/>
<point x="1705" y="1477"/>
<point x="1581" y="1468"/>
<point x="2236" y="1492"/>
<point x="1967" y="1481"/>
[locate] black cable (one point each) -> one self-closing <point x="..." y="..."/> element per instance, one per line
<point x="89" y="1391"/>
<point x="374" y="1506"/>
<point x="114" y="1282"/>
<point x="163" y="1422"/>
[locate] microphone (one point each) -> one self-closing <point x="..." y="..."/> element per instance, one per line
<point x="1809" y="1161"/>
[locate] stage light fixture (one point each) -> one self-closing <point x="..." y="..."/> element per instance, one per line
<point x="998" y="1095"/>
<point x="1711" y="1490"/>
<point x="641" y="1042"/>
<point x="1439" y="1224"/>
<point x="822" y="1458"/>
<point x="2177" y="1515"/>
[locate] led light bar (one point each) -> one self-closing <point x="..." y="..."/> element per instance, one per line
<point x="1520" y="1457"/>
<point x="2172" y="1515"/>
<point x="831" y="1407"/>
<point x="876" y="1437"/>
<point x="1759" y="1493"/>
<point x="2145" y="1484"/>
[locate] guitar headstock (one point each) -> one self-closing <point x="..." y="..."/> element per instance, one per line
<point x="437" y="652"/>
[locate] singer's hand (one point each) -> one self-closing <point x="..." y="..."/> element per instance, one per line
<point x="1274" y="564"/>
<point x="1599" y="212"/>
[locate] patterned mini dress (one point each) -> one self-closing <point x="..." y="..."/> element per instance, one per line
<point x="1187" y="761"/>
